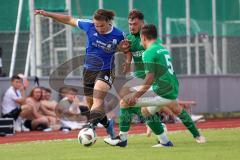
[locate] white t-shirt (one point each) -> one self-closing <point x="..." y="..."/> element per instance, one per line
<point x="9" y="103"/>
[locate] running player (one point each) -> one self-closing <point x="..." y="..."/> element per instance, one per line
<point x="102" y="42"/>
<point x="164" y="90"/>
<point x="136" y="50"/>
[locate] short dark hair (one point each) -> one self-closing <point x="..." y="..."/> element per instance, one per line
<point x="15" y="77"/>
<point x="74" y="90"/>
<point x="47" y="89"/>
<point x="134" y="13"/>
<point x="103" y="15"/>
<point x="150" y="31"/>
<point x="62" y="89"/>
<point x="65" y="90"/>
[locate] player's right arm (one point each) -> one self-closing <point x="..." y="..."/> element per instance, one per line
<point x="128" y="56"/>
<point x="127" y="63"/>
<point x="65" y="19"/>
<point x="22" y="100"/>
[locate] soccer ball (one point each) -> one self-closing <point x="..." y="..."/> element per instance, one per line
<point x="87" y="137"/>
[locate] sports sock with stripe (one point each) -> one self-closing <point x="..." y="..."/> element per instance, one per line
<point x="126" y="117"/>
<point x="188" y="122"/>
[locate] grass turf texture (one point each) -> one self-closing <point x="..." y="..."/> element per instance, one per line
<point x="222" y="144"/>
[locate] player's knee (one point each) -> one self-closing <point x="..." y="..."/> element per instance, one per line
<point x="145" y="112"/>
<point x="43" y="120"/>
<point x="175" y="108"/>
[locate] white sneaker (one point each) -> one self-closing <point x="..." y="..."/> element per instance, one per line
<point x="99" y="125"/>
<point x="24" y="129"/>
<point x="196" y="118"/>
<point x="47" y="130"/>
<point x="112" y="142"/>
<point x="65" y="130"/>
<point x="168" y="144"/>
<point x="117" y="141"/>
<point x="17" y="125"/>
<point x="200" y="139"/>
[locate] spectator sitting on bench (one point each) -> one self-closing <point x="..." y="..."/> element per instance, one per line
<point x="36" y="120"/>
<point x="71" y="111"/>
<point x="13" y="100"/>
<point x="48" y="107"/>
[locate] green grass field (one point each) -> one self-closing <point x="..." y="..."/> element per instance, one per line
<point x="223" y="144"/>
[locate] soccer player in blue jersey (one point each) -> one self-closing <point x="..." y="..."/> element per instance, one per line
<point x="103" y="40"/>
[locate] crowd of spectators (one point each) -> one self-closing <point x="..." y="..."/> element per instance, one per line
<point x="38" y="111"/>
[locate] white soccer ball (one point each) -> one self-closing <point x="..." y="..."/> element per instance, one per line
<point x="87" y="137"/>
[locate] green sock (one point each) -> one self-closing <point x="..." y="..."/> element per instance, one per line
<point x="125" y="118"/>
<point x="187" y="121"/>
<point x="155" y="124"/>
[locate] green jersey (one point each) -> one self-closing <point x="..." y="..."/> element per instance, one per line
<point x="157" y="60"/>
<point x="137" y="50"/>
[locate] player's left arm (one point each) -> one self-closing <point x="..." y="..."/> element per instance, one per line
<point x="127" y="62"/>
<point x="132" y="100"/>
<point x="148" y="81"/>
<point x="149" y="67"/>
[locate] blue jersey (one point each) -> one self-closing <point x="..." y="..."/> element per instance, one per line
<point x="100" y="48"/>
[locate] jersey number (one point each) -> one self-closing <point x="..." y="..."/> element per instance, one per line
<point x="169" y="63"/>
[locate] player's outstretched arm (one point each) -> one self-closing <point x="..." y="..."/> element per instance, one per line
<point x="65" y="19"/>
